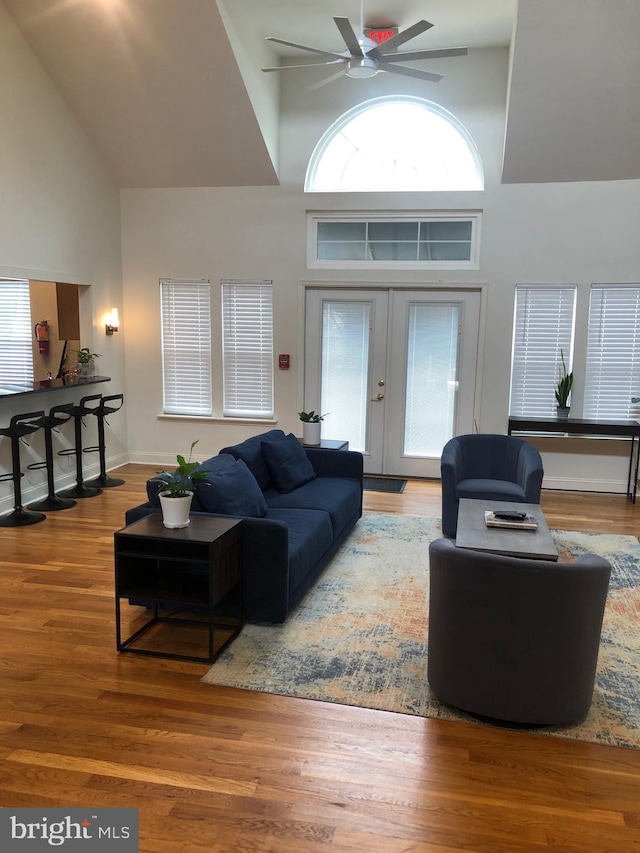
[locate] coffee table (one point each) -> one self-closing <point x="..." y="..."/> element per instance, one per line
<point x="473" y="532"/>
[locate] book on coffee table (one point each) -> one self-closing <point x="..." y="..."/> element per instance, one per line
<point x="527" y="523"/>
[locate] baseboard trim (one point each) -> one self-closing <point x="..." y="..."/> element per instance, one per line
<point x="579" y="485"/>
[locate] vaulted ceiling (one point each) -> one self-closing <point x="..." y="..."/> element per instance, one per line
<point x="171" y="93"/>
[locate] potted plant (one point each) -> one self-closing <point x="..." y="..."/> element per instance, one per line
<point x="177" y="491"/>
<point x="85" y="361"/>
<point x="311" y="425"/>
<point x="563" y="390"/>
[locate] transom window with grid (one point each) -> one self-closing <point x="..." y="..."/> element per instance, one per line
<point x="394" y="241"/>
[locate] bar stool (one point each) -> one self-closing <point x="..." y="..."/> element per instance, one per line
<point x="78" y="411"/>
<point x="57" y="415"/>
<point x="108" y="405"/>
<point x="19" y="426"/>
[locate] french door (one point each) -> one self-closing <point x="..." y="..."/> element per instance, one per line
<point x="394" y="370"/>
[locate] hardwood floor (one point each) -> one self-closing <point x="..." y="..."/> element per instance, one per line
<point x="227" y="770"/>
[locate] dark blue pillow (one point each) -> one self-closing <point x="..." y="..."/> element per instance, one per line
<point x="230" y="488"/>
<point x="250" y="451"/>
<point x="288" y="463"/>
<point x="154" y="486"/>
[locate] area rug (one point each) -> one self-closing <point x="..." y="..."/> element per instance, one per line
<point x="360" y="635"/>
<point x="393" y="485"/>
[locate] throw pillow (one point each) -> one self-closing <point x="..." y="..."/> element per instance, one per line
<point x="250" y="451"/>
<point x="288" y="463"/>
<point x="230" y="488"/>
<point x="154" y="486"/>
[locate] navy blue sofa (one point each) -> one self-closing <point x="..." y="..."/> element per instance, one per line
<point x="298" y="505"/>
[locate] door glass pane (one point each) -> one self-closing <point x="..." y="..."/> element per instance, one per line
<point x="345" y="363"/>
<point x="432" y="371"/>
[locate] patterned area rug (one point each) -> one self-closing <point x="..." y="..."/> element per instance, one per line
<point x="360" y="635"/>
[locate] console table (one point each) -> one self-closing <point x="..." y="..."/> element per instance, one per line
<point x="585" y="427"/>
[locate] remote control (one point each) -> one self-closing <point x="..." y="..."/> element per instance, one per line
<point x="510" y="515"/>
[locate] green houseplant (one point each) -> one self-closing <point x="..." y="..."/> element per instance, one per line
<point x="311" y="417"/>
<point x="177" y="490"/>
<point x="85" y="356"/>
<point x="563" y="389"/>
<point x="179" y="483"/>
<point x="85" y="361"/>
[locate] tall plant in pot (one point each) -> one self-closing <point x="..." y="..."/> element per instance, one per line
<point x="563" y="390"/>
<point x="311" y="425"/>
<point x="177" y="491"/>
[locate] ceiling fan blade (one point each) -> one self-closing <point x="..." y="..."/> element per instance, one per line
<point x="326" y="80"/>
<point x="411" y="55"/>
<point x="410" y="72"/>
<point x="400" y="38"/>
<point x="304" y="47"/>
<point x="349" y="37"/>
<point x="307" y="65"/>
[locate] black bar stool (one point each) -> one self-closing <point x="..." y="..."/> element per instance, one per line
<point x="57" y="415"/>
<point x="108" y="405"/>
<point x="19" y="426"/>
<point x="78" y="411"/>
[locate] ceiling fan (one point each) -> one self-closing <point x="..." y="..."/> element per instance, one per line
<point x="365" y="58"/>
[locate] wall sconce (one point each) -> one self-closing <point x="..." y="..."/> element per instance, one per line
<point x="112" y="322"/>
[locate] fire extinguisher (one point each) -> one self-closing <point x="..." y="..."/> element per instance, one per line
<point x="42" y="336"/>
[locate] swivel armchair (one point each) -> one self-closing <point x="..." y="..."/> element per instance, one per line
<point x="514" y="639"/>
<point x="493" y="467"/>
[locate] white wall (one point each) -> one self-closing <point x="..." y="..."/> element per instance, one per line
<point x="59" y="221"/>
<point x="551" y="232"/>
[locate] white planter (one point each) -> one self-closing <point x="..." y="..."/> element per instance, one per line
<point x="311" y="432"/>
<point x="86" y="369"/>
<point x="175" y="511"/>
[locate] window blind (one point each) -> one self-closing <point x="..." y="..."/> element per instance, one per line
<point x="247" y="349"/>
<point x="16" y="350"/>
<point x="432" y="373"/>
<point x="186" y="346"/>
<point x="346" y="338"/>
<point x="543" y="328"/>
<point x="613" y="351"/>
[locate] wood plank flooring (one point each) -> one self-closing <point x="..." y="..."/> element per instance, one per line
<point x="213" y="769"/>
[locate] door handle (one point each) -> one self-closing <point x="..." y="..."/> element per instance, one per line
<point x="377" y="398"/>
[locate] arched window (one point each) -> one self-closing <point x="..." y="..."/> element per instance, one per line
<point x="395" y="144"/>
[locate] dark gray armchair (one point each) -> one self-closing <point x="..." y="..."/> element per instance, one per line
<point x="514" y="639"/>
<point x="495" y="467"/>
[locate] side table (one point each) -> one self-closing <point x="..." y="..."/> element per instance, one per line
<point x="327" y="444"/>
<point x="189" y="571"/>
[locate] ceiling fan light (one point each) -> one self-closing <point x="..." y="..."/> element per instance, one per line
<point x="361" y="66"/>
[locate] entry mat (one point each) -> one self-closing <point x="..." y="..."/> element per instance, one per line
<point x="384" y="484"/>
